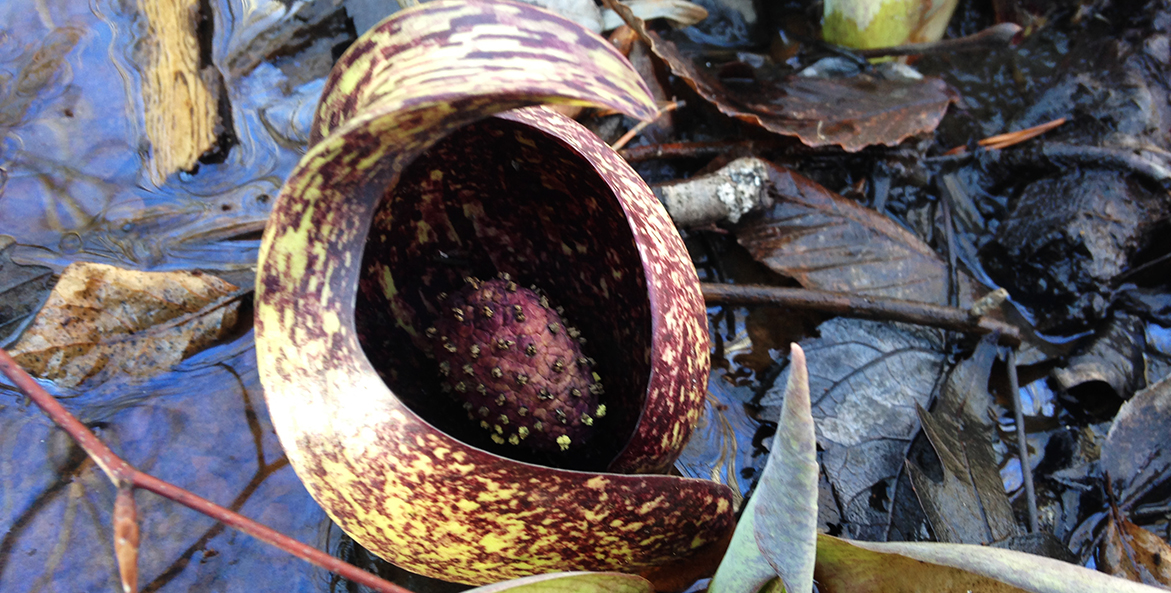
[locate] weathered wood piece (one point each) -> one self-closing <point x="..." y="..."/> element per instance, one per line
<point x="179" y="106"/>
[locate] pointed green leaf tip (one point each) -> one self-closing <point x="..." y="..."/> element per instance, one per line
<point x="777" y="534"/>
<point x="572" y="582"/>
<point x="786" y="519"/>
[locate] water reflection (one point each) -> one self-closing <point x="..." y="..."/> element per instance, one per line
<point x="73" y="187"/>
<point x="74" y="149"/>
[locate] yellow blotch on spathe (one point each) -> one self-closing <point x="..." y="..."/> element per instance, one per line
<point x="462" y="468"/>
<point x="330" y="322"/>
<point x="650" y="505"/>
<point x="495" y="494"/>
<point x="598" y="482"/>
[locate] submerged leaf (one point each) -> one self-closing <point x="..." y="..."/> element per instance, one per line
<point x="205" y="430"/>
<point x="101" y="320"/>
<point x="1114" y="358"/>
<point x="22" y="291"/>
<point x="853" y="112"/>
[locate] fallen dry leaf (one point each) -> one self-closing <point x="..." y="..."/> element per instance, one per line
<point x="101" y="320"/>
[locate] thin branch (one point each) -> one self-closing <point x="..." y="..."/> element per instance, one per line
<point x="122" y="474"/>
<point x="691" y="150"/>
<point x="1022" y="441"/>
<point x="994" y="37"/>
<point x="864" y="307"/>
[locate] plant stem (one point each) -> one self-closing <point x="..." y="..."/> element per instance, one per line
<point x="122" y="474"/>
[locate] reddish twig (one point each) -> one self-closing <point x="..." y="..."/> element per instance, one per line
<point x="864" y="307"/>
<point x="124" y="475"/>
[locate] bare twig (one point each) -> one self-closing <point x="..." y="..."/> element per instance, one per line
<point x="688" y="150"/>
<point x="123" y="475"/>
<point x="951" y="318"/>
<point x="1022" y="441"/>
<point x="993" y="37"/>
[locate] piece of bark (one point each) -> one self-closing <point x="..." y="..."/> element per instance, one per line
<point x="180" y="108"/>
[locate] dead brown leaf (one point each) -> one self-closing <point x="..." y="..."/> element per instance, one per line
<point x="828" y="242"/>
<point x="101" y="320"/>
<point x="853" y="112"/>
<point x="1133" y="553"/>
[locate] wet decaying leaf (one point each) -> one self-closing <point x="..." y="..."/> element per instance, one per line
<point x="1065" y="241"/>
<point x="865" y="380"/>
<point x="101" y="321"/>
<point x="1039" y="543"/>
<point x="853" y="113"/>
<point x="1131" y="552"/>
<point x="1137" y="454"/>
<point x="830" y="243"/>
<point x="1114" y="358"/>
<point x="22" y="291"/>
<point x="968" y="505"/>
